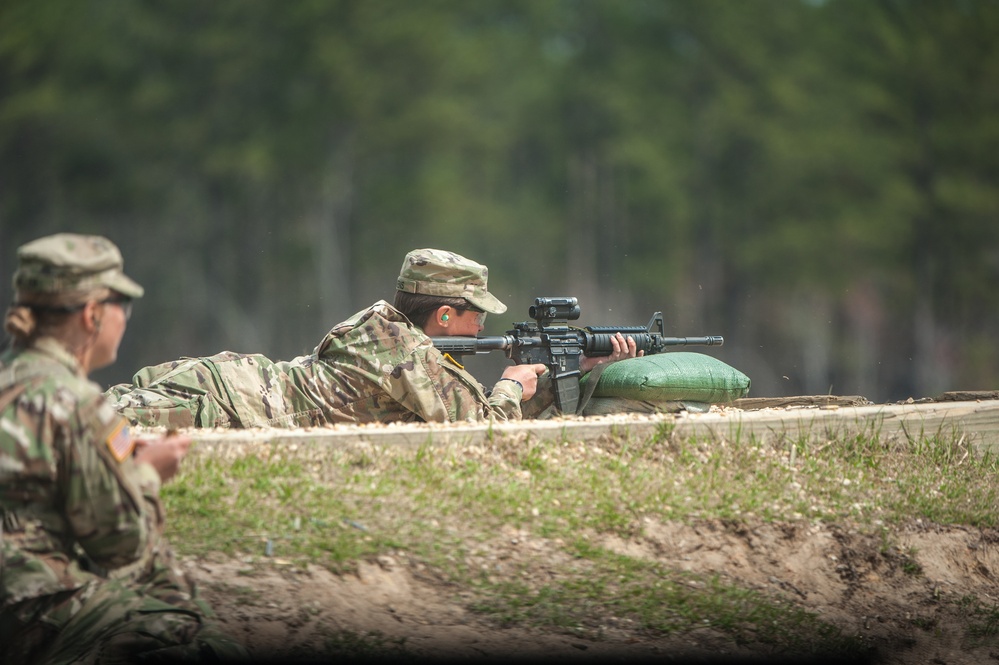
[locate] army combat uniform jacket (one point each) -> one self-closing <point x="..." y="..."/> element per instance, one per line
<point x="374" y="367"/>
<point x="82" y="559"/>
<point x="66" y="476"/>
<point x="75" y="506"/>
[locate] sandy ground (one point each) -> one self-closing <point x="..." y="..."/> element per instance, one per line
<point x="853" y="581"/>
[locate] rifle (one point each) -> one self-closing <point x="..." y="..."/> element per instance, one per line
<point x="551" y="341"/>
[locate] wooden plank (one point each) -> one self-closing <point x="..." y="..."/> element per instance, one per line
<point x="799" y="400"/>
<point x="977" y="423"/>
<point x="968" y="395"/>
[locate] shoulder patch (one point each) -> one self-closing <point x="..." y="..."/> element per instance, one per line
<point x="120" y="442"/>
<point x="449" y="358"/>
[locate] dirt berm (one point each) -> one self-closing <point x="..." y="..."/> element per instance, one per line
<point x="396" y="608"/>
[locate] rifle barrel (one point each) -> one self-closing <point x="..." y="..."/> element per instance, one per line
<point x="710" y="340"/>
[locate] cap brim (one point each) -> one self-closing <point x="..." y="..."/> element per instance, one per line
<point x="125" y="286"/>
<point x="487" y="303"/>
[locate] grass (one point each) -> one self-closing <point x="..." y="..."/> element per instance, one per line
<point x="454" y="507"/>
<point x="984" y="617"/>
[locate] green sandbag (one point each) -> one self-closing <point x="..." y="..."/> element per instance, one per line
<point x="676" y="376"/>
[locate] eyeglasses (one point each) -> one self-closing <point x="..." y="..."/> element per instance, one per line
<point x="480" y="315"/>
<point x="122" y="301"/>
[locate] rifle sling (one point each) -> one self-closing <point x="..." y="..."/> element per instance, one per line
<point x="592" y="379"/>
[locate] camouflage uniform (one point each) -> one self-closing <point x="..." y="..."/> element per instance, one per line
<point x="376" y="366"/>
<point x="85" y="574"/>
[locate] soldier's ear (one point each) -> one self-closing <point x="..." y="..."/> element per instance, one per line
<point x="90" y="318"/>
<point x="442" y="315"/>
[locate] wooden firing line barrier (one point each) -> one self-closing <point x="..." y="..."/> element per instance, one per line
<point x="974" y="423"/>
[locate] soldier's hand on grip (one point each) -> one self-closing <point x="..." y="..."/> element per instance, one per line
<point x="526" y="376"/>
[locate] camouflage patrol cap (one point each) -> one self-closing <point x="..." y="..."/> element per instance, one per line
<point x="69" y="262"/>
<point x="434" y="272"/>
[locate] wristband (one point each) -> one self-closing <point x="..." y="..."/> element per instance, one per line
<point x="515" y="381"/>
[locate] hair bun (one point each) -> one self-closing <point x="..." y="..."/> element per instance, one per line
<point x="20" y="322"/>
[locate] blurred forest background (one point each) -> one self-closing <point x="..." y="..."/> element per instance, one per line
<point x="818" y="181"/>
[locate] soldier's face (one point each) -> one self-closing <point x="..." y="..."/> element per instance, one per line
<point x="112" y="328"/>
<point x="468" y="323"/>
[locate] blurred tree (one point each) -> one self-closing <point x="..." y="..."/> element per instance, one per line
<point x="814" y="179"/>
<point x="927" y="87"/>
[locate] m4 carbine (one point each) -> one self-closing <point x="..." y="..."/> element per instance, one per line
<point x="551" y="341"/>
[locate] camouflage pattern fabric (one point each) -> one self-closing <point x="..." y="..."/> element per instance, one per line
<point x="85" y="573"/>
<point x="374" y="367"/>
<point x="436" y="272"/>
<point x="69" y="262"/>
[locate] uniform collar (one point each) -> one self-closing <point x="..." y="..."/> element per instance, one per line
<point x="53" y="348"/>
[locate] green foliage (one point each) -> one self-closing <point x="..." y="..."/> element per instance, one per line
<point x="265" y="166"/>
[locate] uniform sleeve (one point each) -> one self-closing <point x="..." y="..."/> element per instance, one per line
<point x="439" y="390"/>
<point x="104" y="487"/>
<point x="420" y="384"/>
<point x="504" y="400"/>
